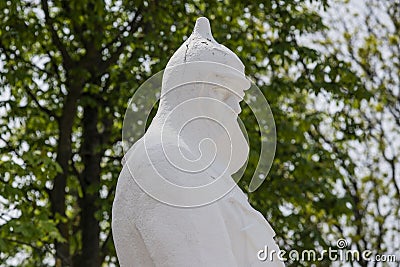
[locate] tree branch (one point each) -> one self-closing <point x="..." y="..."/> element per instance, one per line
<point x="120" y="34"/>
<point x="54" y="36"/>
<point x="47" y="248"/>
<point x="49" y="112"/>
<point x="134" y="26"/>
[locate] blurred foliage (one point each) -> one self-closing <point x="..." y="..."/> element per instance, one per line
<point x="68" y="69"/>
<point x="369" y="39"/>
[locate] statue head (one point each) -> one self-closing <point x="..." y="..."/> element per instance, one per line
<point x="202" y="87"/>
<point x="210" y="68"/>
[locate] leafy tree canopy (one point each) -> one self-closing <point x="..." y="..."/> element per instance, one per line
<point x="68" y="69"/>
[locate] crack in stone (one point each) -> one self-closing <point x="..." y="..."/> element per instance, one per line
<point x="187" y="48"/>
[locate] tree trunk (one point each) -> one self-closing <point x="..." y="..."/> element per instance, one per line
<point x="90" y="180"/>
<point x="57" y="194"/>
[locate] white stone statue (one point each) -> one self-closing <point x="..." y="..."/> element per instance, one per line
<point x="176" y="203"/>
